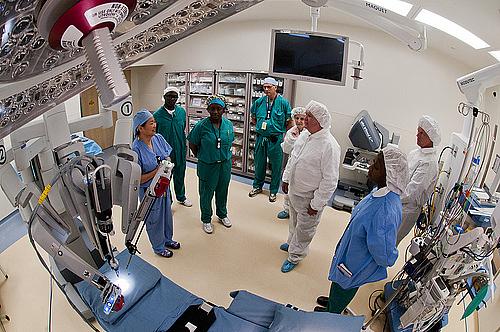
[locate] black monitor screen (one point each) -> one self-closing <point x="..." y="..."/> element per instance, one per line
<point x="309" y="55"/>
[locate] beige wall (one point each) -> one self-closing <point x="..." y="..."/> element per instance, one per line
<point x="398" y="85"/>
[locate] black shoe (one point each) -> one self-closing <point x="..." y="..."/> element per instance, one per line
<point x="322" y="301"/>
<point x="319" y="309"/>
<point x="173" y="245"/>
<point x="254" y="192"/>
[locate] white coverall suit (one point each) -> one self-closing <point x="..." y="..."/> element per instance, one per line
<point x="423" y="167"/>
<point x="312" y="173"/>
<point x="291" y="137"/>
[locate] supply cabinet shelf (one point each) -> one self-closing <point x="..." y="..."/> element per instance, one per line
<point x="240" y="88"/>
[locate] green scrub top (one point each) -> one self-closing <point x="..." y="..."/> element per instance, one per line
<point x="205" y="135"/>
<point x="172" y="127"/>
<point x="281" y="112"/>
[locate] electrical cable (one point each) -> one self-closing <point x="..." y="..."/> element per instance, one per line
<point x="50" y="304"/>
<point x="44" y="264"/>
<point x="465" y="319"/>
<point x="374" y="309"/>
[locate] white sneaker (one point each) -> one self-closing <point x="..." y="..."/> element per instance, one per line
<point x="208" y="228"/>
<point x="226" y="222"/>
<point x="186" y="203"/>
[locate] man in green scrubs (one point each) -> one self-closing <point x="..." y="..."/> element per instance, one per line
<point x="272" y="117"/>
<point x="171" y="123"/>
<point x="210" y="141"/>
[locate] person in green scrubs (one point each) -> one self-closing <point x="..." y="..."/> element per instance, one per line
<point x="171" y="123"/>
<point x="272" y="116"/>
<point x="210" y="141"/>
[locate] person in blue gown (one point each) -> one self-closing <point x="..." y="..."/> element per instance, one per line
<point x="368" y="245"/>
<point x="152" y="148"/>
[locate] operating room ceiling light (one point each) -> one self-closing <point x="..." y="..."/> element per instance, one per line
<point x="397" y="6"/>
<point x="451" y="28"/>
<point x="495" y="54"/>
<point x="18" y="34"/>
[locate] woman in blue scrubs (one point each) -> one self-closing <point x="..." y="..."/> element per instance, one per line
<point x="152" y="148"/>
<point x="210" y="141"/>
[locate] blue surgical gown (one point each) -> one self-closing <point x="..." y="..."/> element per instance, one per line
<point x="368" y="245"/>
<point x="159" y="222"/>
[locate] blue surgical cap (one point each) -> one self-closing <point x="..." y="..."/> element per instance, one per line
<point x="140" y="118"/>
<point x="217" y="101"/>
<point x="270" y="80"/>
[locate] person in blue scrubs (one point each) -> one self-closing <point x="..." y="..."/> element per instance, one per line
<point x="210" y="141"/>
<point x="368" y="245"/>
<point x="152" y="148"/>
<point x="272" y="116"/>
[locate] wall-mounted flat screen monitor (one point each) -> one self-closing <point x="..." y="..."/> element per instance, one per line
<point x="309" y="56"/>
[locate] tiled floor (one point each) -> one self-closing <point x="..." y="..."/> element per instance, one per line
<point x="245" y="256"/>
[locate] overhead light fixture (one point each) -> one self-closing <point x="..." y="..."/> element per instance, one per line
<point x="397" y="6"/>
<point x="451" y="28"/>
<point x="495" y="54"/>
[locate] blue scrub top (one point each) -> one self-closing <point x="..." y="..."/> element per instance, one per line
<point x="368" y="245"/>
<point x="148" y="158"/>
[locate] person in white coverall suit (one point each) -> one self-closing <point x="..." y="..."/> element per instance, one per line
<point x="291" y="136"/>
<point x="310" y="178"/>
<point x="423" y="167"/>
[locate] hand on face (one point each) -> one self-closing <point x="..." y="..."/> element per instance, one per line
<point x="299" y="120"/>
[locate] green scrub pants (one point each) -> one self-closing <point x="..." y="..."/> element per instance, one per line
<point x="178" y="174"/>
<point x="265" y="149"/>
<point x="213" y="178"/>
<point x="339" y="298"/>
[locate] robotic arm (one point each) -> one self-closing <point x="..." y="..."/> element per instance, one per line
<point x="46" y="228"/>
<point x="157" y="188"/>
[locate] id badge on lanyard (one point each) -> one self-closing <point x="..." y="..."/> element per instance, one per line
<point x="269" y="109"/>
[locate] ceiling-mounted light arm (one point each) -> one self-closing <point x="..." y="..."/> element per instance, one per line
<point x="314" y="9"/>
<point x="400" y="27"/>
<point x="314" y="18"/>
<point x="473" y="85"/>
<point x="357" y="65"/>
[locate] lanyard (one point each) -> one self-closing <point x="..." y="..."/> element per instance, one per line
<point x="269" y="109"/>
<point x="218" y="141"/>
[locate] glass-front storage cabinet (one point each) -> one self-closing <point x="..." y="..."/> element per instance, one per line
<point x="201" y="86"/>
<point x="240" y="89"/>
<point x="179" y="81"/>
<point x="233" y="86"/>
